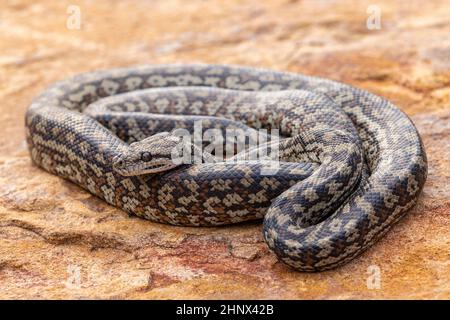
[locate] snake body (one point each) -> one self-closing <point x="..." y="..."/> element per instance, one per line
<point x="351" y="163"/>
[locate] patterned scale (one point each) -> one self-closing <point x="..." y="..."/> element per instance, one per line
<point x="351" y="163"/>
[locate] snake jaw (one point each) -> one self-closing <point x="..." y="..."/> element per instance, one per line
<point x="144" y="168"/>
<point x="130" y="164"/>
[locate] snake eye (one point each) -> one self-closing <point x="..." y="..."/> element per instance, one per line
<point x="146" y="156"/>
<point x="120" y="163"/>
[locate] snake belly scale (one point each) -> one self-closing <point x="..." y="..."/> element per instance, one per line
<point x="351" y="163"/>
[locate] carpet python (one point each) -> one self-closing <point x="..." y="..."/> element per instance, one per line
<point x="350" y="165"/>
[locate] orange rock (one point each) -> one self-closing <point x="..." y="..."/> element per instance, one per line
<point x="58" y="241"/>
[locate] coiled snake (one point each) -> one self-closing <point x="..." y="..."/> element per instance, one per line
<point x="351" y="163"/>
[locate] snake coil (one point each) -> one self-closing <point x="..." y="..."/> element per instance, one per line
<point x="352" y="164"/>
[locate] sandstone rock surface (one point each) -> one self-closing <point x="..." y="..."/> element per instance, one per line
<point x="58" y="241"/>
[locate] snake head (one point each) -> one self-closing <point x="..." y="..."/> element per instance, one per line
<point x="150" y="155"/>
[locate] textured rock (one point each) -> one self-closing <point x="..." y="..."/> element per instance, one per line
<point x="51" y="231"/>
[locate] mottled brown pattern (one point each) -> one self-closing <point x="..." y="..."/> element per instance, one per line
<point x="331" y="212"/>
